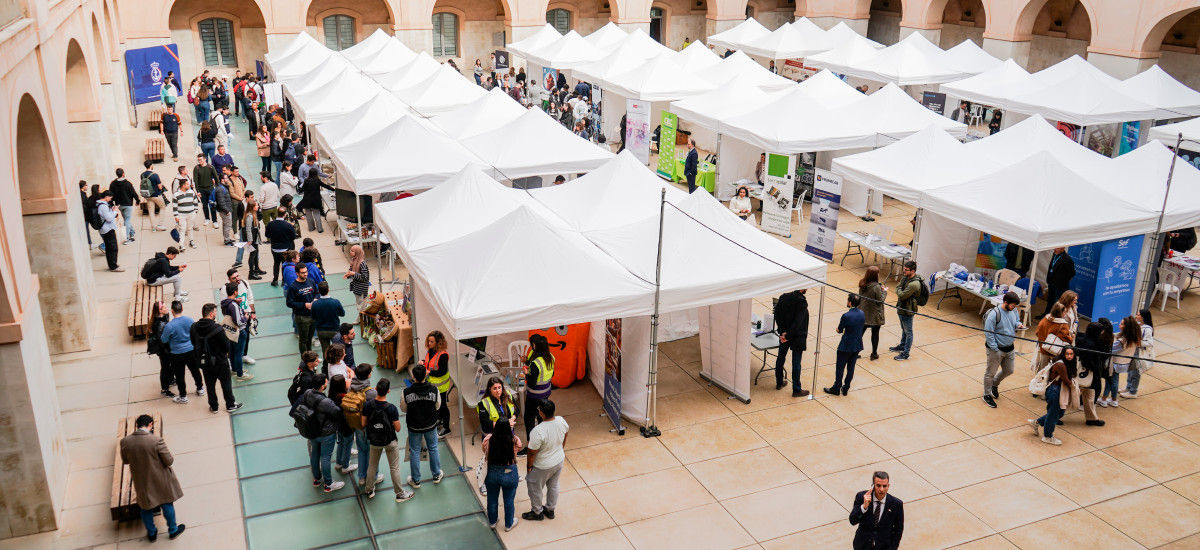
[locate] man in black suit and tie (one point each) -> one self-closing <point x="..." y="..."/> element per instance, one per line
<point x="878" y="515"/>
<point x="691" y="165"/>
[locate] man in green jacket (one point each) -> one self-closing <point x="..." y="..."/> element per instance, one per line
<point x="205" y="178"/>
<point x="907" y="293"/>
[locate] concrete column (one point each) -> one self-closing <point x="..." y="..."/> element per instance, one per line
<point x="275" y="43"/>
<point x="420" y="40"/>
<point x="712" y="26"/>
<point x="1119" y="66"/>
<point x="92" y="154"/>
<point x="33" y="452"/>
<point x="629" y="27"/>
<point x="59" y="256"/>
<point x="519" y="33"/>
<point x="859" y="25"/>
<point x="1004" y="49"/>
<point x="110" y="117"/>
<point x="934" y="35"/>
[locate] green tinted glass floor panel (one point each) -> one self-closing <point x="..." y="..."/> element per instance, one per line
<point x="283" y="490"/>
<point x="267" y="395"/>
<point x="467" y="533"/>
<point x="272" y="369"/>
<point x="261" y="425"/>
<point x="274" y="306"/>
<point x="450" y="498"/>
<point x="273" y="455"/>
<point x="281" y="345"/>
<point x="308" y="527"/>
<point x="363" y="544"/>
<point x="269" y="325"/>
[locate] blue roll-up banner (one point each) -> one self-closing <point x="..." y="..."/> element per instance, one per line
<point x="147" y="68"/>
<point x="1106" y="276"/>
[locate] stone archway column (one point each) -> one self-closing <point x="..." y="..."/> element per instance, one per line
<point x="111" y="118"/>
<point x="92" y="152"/>
<point x="59" y="255"/>
<point x="828" y="13"/>
<point x="1119" y="66"/>
<point x="1004" y="49"/>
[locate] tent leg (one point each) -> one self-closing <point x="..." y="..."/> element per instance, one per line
<point x="650" y="429"/>
<point x="412" y="297"/>
<point x="812" y="393"/>
<point x="1029" y="308"/>
<point x="916" y="230"/>
<point x="462" y="404"/>
<point x="867" y="217"/>
<point x="717" y="166"/>
<point x="1156" y="240"/>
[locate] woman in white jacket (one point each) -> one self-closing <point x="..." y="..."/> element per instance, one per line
<point x="740" y="203"/>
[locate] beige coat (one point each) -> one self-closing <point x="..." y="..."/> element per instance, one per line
<point x="150" y="466"/>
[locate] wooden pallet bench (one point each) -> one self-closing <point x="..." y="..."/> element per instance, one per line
<point x="123" y="504"/>
<point x="141" y="307"/>
<point x="156" y="149"/>
<point x="156" y="119"/>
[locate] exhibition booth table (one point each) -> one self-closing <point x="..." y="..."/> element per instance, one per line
<point x="1187" y="264"/>
<point x="894" y="253"/>
<point x="706" y="172"/>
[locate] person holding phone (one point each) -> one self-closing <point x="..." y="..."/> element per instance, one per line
<point x="1000" y="329"/>
<point x="878" y="515"/>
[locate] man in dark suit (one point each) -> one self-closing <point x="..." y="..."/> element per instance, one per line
<point x="851" y="328"/>
<point x="791" y="318"/>
<point x="878" y="515"/>
<point x="1058" y="278"/>
<point x="691" y="165"/>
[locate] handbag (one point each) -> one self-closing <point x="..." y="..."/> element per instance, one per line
<point x="1085" y="377"/>
<point x="232" y="330"/>
<point x="1053" y="345"/>
<point x="1145" y="358"/>
<point x="1037" y="385"/>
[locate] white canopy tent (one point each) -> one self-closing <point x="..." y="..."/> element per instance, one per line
<point x="391" y="57"/>
<point x="344" y="94"/>
<point x="533" y="144"/>
<point x="445" y="90"/>
<point x="542" y="37"/>
<point x="658" y="79"/>
<point x="1078" y="92"/>
<point x="298" y="58"/>
<point x="739" y="67"/>
<point x="1154" y="86"/>
<point x="736" y="38"/>
<point x="993" y="86"/>
<point x="842" y="33"/>
<point x="913" y="60"/>
<point x="370" y="48"/>
<point x="493" y="110"/>
<point x="319" y="76"/>
<point x="414" y="72"/>
<point x="696" y="57"/>
<point x="406" y="156"/>
<point x="366" y="120"/>
<point x="606" y="37"/>
<point x="702" y="114"/>
<point x="853" y="50"/>
<point x="1169" y="133"/>
<point x="970" y="58"/>
<point x="567" y="52"/>
<point x="625" y="57"/>
<point x="799" y="39"/>
<point x="1148" y="165"/>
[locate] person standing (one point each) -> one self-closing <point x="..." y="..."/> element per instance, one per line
<point x="156" y="346"/>
<point x="878" y="515"/>
<point x="345" y="337"/>
<point x="125" y="197"/>
<point x="221" y="160"/>
<point x="1060" y="391"/>
<point x="184" y="208"/>
<point x="322" y="418"/>
<point x="873" y="295"/>
<point x="311" y="203"/>
<point x="1053" y="332"/>
<point x="545" y="462"/>
<point x="357" y="396"/>
<point x="206" y="138"/>
<point x="1093" y="346"/>
<point x="231" y="308"/>
<point x="237" y="195"/>
<point x="205" y="178"/>
<point x="500" y="448"/>
<point x="246" y="300"/>
<point x="162" y="273"/>
<point x="167" y="94"/>
<point x="359" y="275"/>
<point x="327" y="315"/>
<point x="223" y="202"/>
<point x="437" y="364"/>
<point x="177" y="335"/>
<point x="791" y="321"/>
<point x="212" y="352"/>
<point x="850" y="326"/>
<point x="907" y="294"/>
<point x="691" y="165"/>
<point x="1017" y="258"/>
<point x="540" y="364"/>
<point x="169" y="129"/>
<point x="152" y="189"/>
<point x="1000" y="329"/>
<point x="107" y="211"/>
<point x="220" y="122"/>
<point x="1145" y="351"/>
<point x="248" y="237"/>
<point x="497" y="405"/>
<point x="382" y="421"/>
<point x="1058" y="277"/>
<point x="422" y="404"/>
<point x="287" y="180"/>
<point x="300" y="296"/>
<point x="268" y="197"/>
<point x="282" y="236"/>
<point x="89" y="210"/>
<point x="154" y="479"/>
<point x="1124" y="346"/>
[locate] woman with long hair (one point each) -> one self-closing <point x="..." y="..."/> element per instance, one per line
<point x="203" y="102"/>
<point x="1093" y="364"/>
<point x="1053" y="332"/>
<point x="873" y="295"/>
<point x="1070" y="303"/>
<point x="740" y="203"/>
<point x="250" y="236"/>
<point x="1144" y="352"/>
<point x="1128" y="339"/>
<point x="207" y="138"/>
<point x="359" y="275"/>
<point x="497" y="406"/>
<point x="335" y="362"/>
<point x="500" y="448"/>
<point x="1061" y="380"/>
<point x="437" y="364"/>
<point x="540" y="365"/>
<point x="263" y="140"/>
<point x="155" y="346"/>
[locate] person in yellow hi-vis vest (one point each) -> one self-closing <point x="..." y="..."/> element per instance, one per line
<point x="437" y="364"/>
<point x="497" y="405"/>
<point x="540" y="366"/>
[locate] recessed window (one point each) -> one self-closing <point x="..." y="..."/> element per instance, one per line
<point x="216" y="39"/>
<point x="339" y="31"/>
<point x="445" y="34"/>
<point x="560" y="19"/>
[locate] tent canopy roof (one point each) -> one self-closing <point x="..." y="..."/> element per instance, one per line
<point x="346" y="93"/>
<point x="534" y="144"/>
<point x="607" y="36"/>
<point x="445" y="90"/>
<point x="392" y="56"/>
<point x="368" y="48"/>
<point x="620" y="191"/>
<point x="372" y="165"/>
<point x="791" y="40"/>
<point x="566" y="52"/>
<point x="658" y="79"/>
<point x="1156" y="87"/>
<point x="542" y="37"/>
<point x="380" y="111"/>
<point x="696" y="57"/>
<point x="420" y="68"/>
<point x="493" y="110"/>
<point x="992" y="86"/>
<point x="740" y="67"/>
<point x="737" y="37"/>
<point x="1169" y="133"/>
<point x="728" y="100"/>
<point x="626" y="56"/>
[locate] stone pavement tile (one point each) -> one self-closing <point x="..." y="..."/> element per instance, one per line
<point x="577" y="398"/>
<point x="1027" y="450"/>
<point x="1034" y="404"/>
<point x="707" y="527"/>
<point x="97" y="452"/>
<point x="606" y="539"/>
<point x="1120" y="426"/>
<point x="568" y="480"/>
<point x="1012" y="501"/>
<point x="621" y="459"/>
<point x="88" y="487"/>
<point x="1182" y="544"/>
<point x="206" y="466"/>
<point x="994" y="542"/>
<point x="1152" y="517"/>
<point x="711" y="440"/>
<point x="95" y="395"/>
<point x="578" y="513"/>
<point x="1174" y="375"/>
<point x="682" y="351"/>
<point x="174" y="413"/>
<point x="1180" y="335"/>
<point x="831" y="535"/>
<point x="784" y="510"/>
<point x="90" y="370"/>
<point x="587" y="429"/>
<point x="831" y="452"/>
<point x="826" y="376"/>
<point x="756" y="470"/>
<point x="227" y="534"/>
<point x="689" y="408"/>
<point x="905" y="484"/>
<point x="673" y="381"/>
<point x="648" y="495"/>
<point x="1188" y="486"/>
<point x="939" y="522"/>
<point x="958" y="353"/>
<point x="1076" y="478"/>
<point x="871" y="404"/>
<point x="801" y="419"/>
<point x="943" y="388"/>
<point x="209" y="503"/>
<point x="1163" y="457"/>
<point x="959" y="465"/>
<point x="977" y="419"/>
<point x="1076" y="529"/>
<point x="145" y="388"/>
<point x="919" y="363"/>
<point x="910" y="433"/>
<point x="206" y="433"/>
<point x="976" y="371"/>
<point x="145" y="364"/>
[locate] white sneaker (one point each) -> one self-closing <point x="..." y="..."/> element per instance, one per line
<point x="200" y="392"/>
<point x="335" y="486"/>
<point x="1113" y="403"/>
<point x="1128" y="395"/>
<point x="192" y="244"/>
<point x="248" y="360"/>
<point x="127" y="241"/>
<point x="1052" y="440"/>
<point x="181" y="399"/>
<point x="513" y="526"/>
<point x="1102" y="403"/>
<point x="1037" y="429"/>
<point x="349" y="468"/>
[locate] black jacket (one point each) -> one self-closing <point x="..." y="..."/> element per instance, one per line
<point x="281" y="234"/>
<point x="154" y="344"/>
<point x="311" y="188"/>
<point x="327" y="410"/>
<point x="882" y="535"/>
<point x="207" y="332"/>
<point x="1061" y="272"/>
<point x="1092" y="355"/>
<point x="420" y="405"/>
<point x="791" y="318"/>
<point x="123" y="193"/>
<point x="1185" y="241"/>
<point x="163" y="267"/>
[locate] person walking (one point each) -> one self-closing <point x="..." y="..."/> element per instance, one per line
<point x="154" y="480"/>
<point x="381" y="422"/>
<point x="156" y="346"/>
<point x="791" y="321"/>
<point x="168" y="94"/>
<point x="106" y="211"/>
<point x="223" y="202"/>
<point x="213" y="350"/>
<point x="177" y="335"/>
<point x="184" y="209"/>
<point x="873" y="294"/>
<point x="125" y="197"/>
<point x="544" y="462"/>
<point x="1000" y="329"/>
<point x="299" y="296"/>
<point x="538" y="380"/>
<point x="203" y="101"/>
<point x="152" y="189"/>
<point x="220" y="122"/>
<point x="907" y="294"/>
<point x="878" y="515"/>
<point x="282" y="236"/>
<point x="500" y="448"/>
<point x="1053" y="332"/>
<point x="850" y="326"/>
<point x="359" y="275"/>
<point x="422" y="403"/>
<point x="169" y="129"/>
<point x="437" y="364"/>
<point x="327" y="315"/>
<point x="206" y="138"/>
<point x="1060" y="391"/>
<point x="158" y="271"/>
<point x="321" y="419"/>
<point x="1145" y="351"/>
<point x="691" y="165"/>
<point x="204" y="176"/>
<point x="1058" y="277"/>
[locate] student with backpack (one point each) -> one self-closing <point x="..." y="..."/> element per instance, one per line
<point x="318" y="419"/>
<point x="176" y="336"/>
<point x="212" y="352"/>
<point x="421" y="404"/>
<point x="152" y="189"/>
<point x="910" y="294"/>
<point x="156" y="346"/>
<point x="381" y="421"/>
<point x="104" y="220"/>
<point x="158" y="271"/>
<point x="308" y="367"/>
<point x="358" y="395"/>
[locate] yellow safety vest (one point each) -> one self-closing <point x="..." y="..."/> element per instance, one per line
<point x="489" y="405"/>
<point x="442" y="383"/>
<point x="545" y="374"/>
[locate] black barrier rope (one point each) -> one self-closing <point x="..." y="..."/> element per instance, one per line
<point x="885" y="304"/>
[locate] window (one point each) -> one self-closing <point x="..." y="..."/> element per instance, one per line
<point x="216" y="38"/>
<point x="560" y="19"/>
<point x="339" y="31"/>
<point x="445" y="34"/>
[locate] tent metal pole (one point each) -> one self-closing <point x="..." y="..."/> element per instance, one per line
<point x="651" y="430"/>
<point x="412" y="306"/>
<point x="1029" y="308"/>
<point x="717" y="165"/>
<point x="1156" y="240"/>
<point x="812" y="393"/>
<point x="916" y="231"/>
<point x="462" y="404"/>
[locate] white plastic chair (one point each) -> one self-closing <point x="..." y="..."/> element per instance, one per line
<point x="976" y="116"/>
<point x="517" y="352"/>
<point x="1169" y="283"/>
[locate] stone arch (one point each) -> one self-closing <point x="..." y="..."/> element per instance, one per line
<point x="367" y="10"/>
<point x="938" y="12"/>
<point x="1151" y="38"/>
<point x="37" y="163"/>
<point x="114" y="32"/>
<point x="177" y="14"/>
<point x="883" y="23"/>
<point x="82" y="104"/>
<point x="99" y="42"/>
<point x="1055" y="10"/>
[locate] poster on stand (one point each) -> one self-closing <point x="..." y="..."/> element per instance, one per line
<point x="822" y="224"/>
<point x="989" y="255"/>
<point x="666" y="145"/>
<point x="549" y="78"/>
<point x="934" y="101"/>
<point x="637" y="129"/>
<point x="1087" y="266"/>
<point x="612" y="372"/>
<point x="148" y="68"/>
<point x="778" y="184"/>
<point x="1116" y="277"/>
<point x="1130" y="134"/>
<point x="795" y="69"/>
<point x="502" y="60"/>
<point x="1102" y="138"/>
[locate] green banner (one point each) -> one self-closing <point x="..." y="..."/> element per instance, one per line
<point x="666" y="145"/>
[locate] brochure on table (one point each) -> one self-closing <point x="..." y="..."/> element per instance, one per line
<point x="778" y="185"/>
<point x="823" y="220"/>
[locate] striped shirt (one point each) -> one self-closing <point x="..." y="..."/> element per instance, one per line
<point x="361" y="280"/>
<point x="185" y="203"/>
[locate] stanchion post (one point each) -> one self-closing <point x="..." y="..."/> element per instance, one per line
<point x="650" y="429"/>
<point x="817" y="354"/>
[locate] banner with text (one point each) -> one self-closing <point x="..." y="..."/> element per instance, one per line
<point x="822" y="223"/>
<point x="1130" y="133"/>
<point x="1106" y="276"/>
<point x="637" y="129"/>
<point x="778" y="185"/>
<point x="612" y="371"/>
<point x="666" y="145"/>
<point x="148" y="67"/>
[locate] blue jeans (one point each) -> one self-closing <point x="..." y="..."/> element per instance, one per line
<point x="209" y="148"/>
<point x="1112" y="386"/>
<point x="1134" y="378"/>
<point x="356" y="439"/>
<point x="781" y="360"/>
<point x="506" y="478"/>
<point x="320" y="451"/>
<point x="906" y="333"/>
<point x="278" y="168"/>
<point x="1049" y="420"/>
<point x="168" y="511"/>
<point x="237" y="350"/>
<point x="203" y="108"/>
<point x="414" y="453"/>
<point x="127" y="213"/>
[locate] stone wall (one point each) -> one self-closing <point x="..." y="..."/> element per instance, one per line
<point x="1045" y="51"/>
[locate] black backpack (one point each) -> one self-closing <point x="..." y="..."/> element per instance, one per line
<point x="380" y="432"/>
<point x="297" y="388"/>
<point x="150" y="270"/>
<point x="307" y="421"/>
<point x="93" y="216"/>
<point x="923" y="295"/>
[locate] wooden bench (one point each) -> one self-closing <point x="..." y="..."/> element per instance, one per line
<point x="156" y="149"/>
<point x="123" y="503"/>
<point x="141" y="307"/>
<point x="156" y="118"/>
